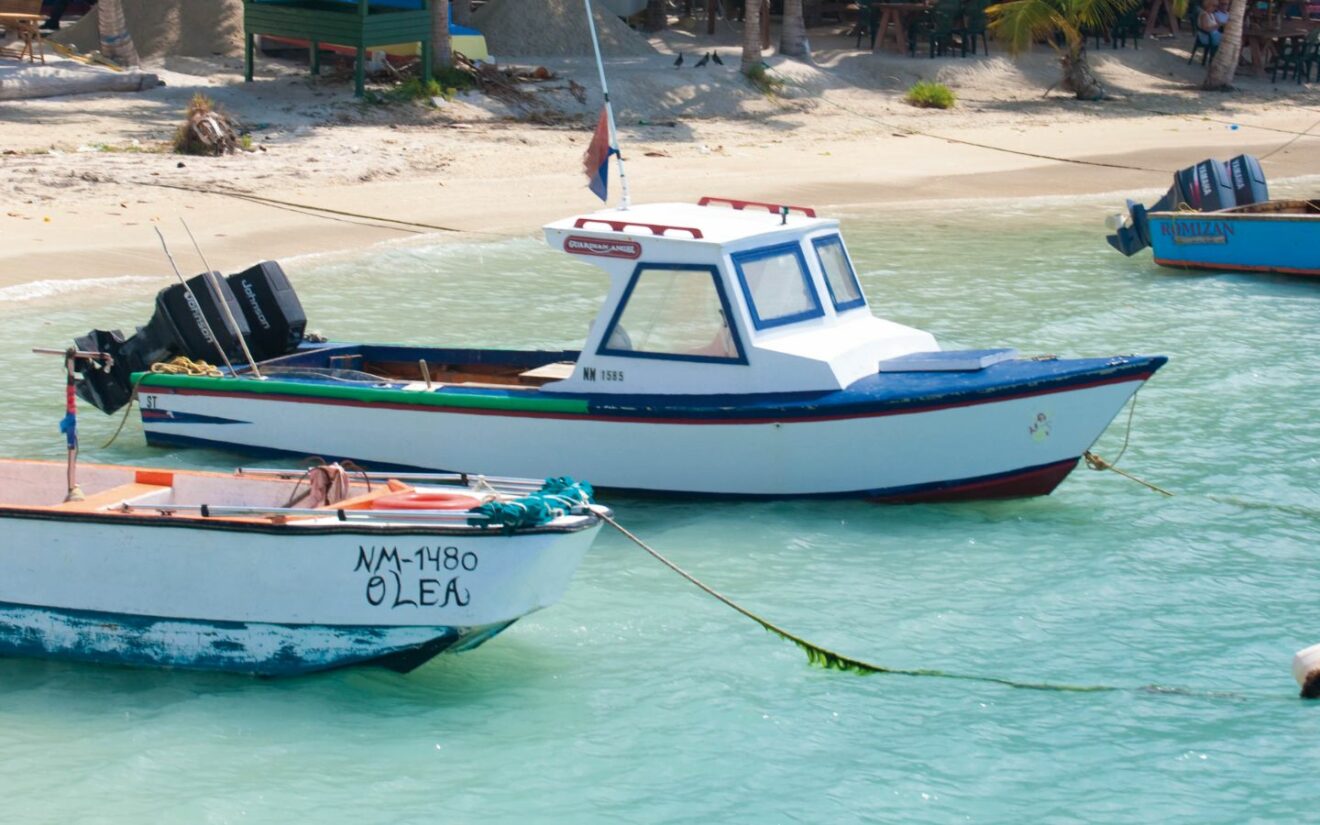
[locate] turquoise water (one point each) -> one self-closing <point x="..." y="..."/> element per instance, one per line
<point x="639" y="699"/>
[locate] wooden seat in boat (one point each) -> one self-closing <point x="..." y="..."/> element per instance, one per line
<point x="115" y="496"/>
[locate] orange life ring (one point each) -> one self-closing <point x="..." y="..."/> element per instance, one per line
<point x="417" y="500"/>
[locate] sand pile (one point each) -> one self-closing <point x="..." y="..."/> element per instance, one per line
<point x="553" y="28"/>
<point x="192" y="28"/>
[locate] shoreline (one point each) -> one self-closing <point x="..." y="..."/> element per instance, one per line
<point x="247" y="231"/>
<point x="841" y="140"/>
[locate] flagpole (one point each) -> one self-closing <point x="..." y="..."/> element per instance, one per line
<point x="609" y="110"/>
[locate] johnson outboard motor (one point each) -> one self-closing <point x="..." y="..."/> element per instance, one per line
<point x="1206" y="187"/>
<point x="266" y="312"/>
<point x="273" y="311"/>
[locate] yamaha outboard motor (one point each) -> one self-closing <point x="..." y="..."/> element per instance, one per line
<point x="1248" y="180"/>
<point x="272" y="309"/>
<point x="1206" y="187"/>
<point x="176" y="329"/>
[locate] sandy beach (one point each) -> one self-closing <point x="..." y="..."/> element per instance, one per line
<point x="84" y="179"/>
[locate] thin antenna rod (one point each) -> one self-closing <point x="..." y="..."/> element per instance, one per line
<point x="201" y="316"/>
<point x="609" y="109"/>
<point x="224" y="305"/>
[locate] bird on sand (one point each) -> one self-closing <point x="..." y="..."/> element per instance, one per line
<point x="679" y="61"/>
<point x="703" y="61"/>
<point x="716" y="55"/>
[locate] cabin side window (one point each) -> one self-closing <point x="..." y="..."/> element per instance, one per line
<point x="840" y="279"/>
<point x="776" y="285"/>
<point x="674" y="311"/>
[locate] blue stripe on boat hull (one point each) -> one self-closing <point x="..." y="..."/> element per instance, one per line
<point x="234" y="647"/>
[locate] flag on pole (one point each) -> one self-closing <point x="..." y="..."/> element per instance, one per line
<point x="69" y="424"/>
<point x="596" y="160"/>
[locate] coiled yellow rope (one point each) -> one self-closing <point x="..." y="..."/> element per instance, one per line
<point x="183" y="365"/>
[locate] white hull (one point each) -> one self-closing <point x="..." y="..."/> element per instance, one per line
<point x="878" y="454"/>
<point x="259" y="594"/>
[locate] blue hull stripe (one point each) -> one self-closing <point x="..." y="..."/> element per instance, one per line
<point x="235" y="647"/>
<point x="176" y="417"/>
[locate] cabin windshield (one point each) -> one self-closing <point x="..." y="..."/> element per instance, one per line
<point x="840" y="279"/>
<point x="776" y="285"/>
<point x="673" y="311"/>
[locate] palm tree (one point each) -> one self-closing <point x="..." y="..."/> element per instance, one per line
<point x="116" y="42"/>
<point x="1062" y="24"/>
<point x="1219" y="77"/>
<point x="657" y="15"/>
<point x="442" y="56"/>
<point x="751" y="52"/>
<point x="793" y="34"/>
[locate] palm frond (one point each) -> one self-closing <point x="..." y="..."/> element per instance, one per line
<point x="1100" y="14"/>
<point x="1019" y="23"/>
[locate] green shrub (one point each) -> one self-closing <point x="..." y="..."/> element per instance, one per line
<point x="927" y="94"/>
<point x="446" y="83"/>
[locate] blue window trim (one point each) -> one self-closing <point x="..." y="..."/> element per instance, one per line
<point x="739" y="258"/>
<point x="830" y="240"/>
<point x="714" y="273"/>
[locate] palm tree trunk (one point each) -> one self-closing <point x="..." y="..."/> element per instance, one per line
<point x="751" y="51"/>
<point x="463" y="12"/>
<point x="657" y="16"/>
<point x="793" y="34"/>
<point x="1078" y="77"/>
<point x="1219" y="76"/>
<point x="442" y="56"/>
<point x="116" y="42"/>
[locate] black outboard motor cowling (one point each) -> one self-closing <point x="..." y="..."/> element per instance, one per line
<point x="1248" y="180"/>
<point x="1204" y="187"/>
<point x="273" y="311"/>
<point x="176" y="329"/>
<point x="178" y="318"/>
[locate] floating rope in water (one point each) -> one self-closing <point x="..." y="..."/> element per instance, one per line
<point x="826" y="658"/>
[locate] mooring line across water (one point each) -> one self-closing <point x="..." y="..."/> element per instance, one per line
<point x="831" y="660"/>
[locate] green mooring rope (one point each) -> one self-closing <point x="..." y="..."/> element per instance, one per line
<point x="830" y="660"/>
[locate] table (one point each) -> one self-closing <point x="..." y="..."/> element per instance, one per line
<point x="899" y="14"/>
<point x="28" y="28"/>
<point x="1264" y="39"/>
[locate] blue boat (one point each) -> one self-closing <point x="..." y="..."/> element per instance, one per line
<point x="1218" y="216"/>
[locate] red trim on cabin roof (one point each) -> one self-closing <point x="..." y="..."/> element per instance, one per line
<point x="776" y="208"/>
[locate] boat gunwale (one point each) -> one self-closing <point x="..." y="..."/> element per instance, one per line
<point x="807" y="406"/>
<point x="136" y="517"/>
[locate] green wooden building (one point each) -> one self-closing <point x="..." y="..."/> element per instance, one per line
<point x="356" y="24"/>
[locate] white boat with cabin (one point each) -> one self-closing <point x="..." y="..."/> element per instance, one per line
<point x="734" y="354"/>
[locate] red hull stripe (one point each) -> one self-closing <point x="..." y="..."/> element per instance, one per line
<point x="1038" y="481"/>
<point x="788" y="416"/>
<point x="1282" y="270"/>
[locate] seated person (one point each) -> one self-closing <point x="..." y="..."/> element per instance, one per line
<point x="1208" y="24"/>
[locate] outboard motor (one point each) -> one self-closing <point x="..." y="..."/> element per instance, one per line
<point x="1206" y="187"/>
<point x="272" y="309"/>
<point x="1248" y="180"/>
<point x="176" y="329"/>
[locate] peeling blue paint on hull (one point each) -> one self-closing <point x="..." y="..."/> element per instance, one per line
<point x="234" y="647"/>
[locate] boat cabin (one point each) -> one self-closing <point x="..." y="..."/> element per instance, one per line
<point x="724" y="296"/>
